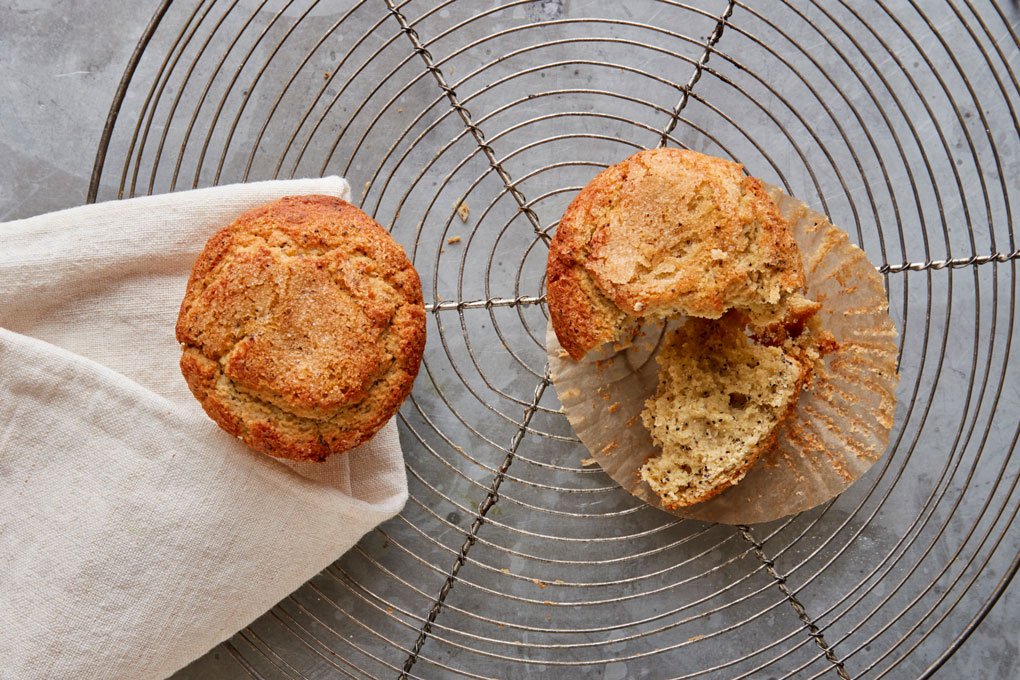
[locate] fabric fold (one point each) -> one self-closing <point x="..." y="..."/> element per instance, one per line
<point x="135" y="534"/>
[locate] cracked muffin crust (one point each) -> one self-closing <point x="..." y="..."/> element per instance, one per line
<point x="302" y="327"/>
<point x="668" y="232"/>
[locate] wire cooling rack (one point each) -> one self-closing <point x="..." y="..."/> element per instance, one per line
<point x="513" y="558"/>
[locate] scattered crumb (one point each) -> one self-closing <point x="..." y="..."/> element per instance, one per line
<point x="586" y="462"/>
<point x="603" y="392"/>
<point x="572" y="393"/>
<point x="389" y="610"/>
<point x="463" y="211"/>
<point x="614" y="407"/>
<point x="695" y="638"/>
<point x="452" y="240"/>
<point x="632" y="421"/>
<point x="400" y="109"/>
<point x="600" y="364"/>
<point x="326" y="75"/>
<point x="547" y="602"/>
<point x="505" y="570"/>
<point x="558" y="582"/>
<point x="540" y="584"/>
<point x="364" y="190"/>
<point x="500" y="625"/>
<point x="608" y="448"/>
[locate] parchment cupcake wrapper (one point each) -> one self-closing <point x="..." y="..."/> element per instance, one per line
<point x="841" y="425"/>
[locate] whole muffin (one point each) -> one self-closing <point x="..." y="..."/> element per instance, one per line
<point x="668" y="232"/>
<point x="302" y="327"/>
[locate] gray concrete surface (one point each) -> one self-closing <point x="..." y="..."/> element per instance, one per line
<point x="61" y="62"/>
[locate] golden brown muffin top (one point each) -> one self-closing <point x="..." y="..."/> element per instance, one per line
<point x="302" y="327"/>
<point x="666" y="232"/>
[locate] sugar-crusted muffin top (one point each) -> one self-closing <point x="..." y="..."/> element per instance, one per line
<point x="667" y="232"/>
<point x="302" y="327"/>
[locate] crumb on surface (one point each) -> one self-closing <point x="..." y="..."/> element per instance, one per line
<point x="626" y="343"/>
<point x="452" y="240"/>
<point x="463" y="211"/>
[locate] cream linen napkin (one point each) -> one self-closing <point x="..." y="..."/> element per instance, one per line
<point x="134" y="533"/>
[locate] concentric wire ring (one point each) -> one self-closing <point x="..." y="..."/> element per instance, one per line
<point x="513" y="553"/>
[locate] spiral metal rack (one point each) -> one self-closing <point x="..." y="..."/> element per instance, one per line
<point x="513" y="557"/>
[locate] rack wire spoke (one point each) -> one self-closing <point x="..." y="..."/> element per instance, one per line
<point x="951" y="263"/>
<point x="488" y="303"/>
<point x="491" y="498"/>
<point x="465" y="116"/>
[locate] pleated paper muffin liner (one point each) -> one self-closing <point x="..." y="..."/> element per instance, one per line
<point x="842" y="421"/>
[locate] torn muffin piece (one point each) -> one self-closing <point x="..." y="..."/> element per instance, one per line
<point x="720" y="402"/>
